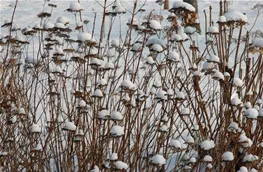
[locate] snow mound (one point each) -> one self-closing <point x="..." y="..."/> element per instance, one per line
<point x="235" y="16"/>
<point x="207" y="144"/>
<point x="251" y="113"/>
<point x="183" y="5"/>
<point x="158" y="160"/>
<point x="121" y="165"/>
<point x="117" y="130"/>
<point x="228" y="156"/>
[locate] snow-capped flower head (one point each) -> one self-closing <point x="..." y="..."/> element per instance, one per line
<point x="116" y="115"/>
<point x="154" y="24"/>
<point x="161" y="94"/>
<point x="173" y="56"/>
<point x="207" y="158"/>
<point x="183" y="5"/>
<point x="158" y="160"/>
<point x="207" y="144"/>
<point x="84" y="36"/>
<point x="113" y="157"/>
<point x="185" y="112"/>
<point x="69" y="126"/>
<point x="227" y="156"/>
<point x="48" y="26"/>
<point x="235" y="16"/>
<point x="189" y="30"/>
<point x="149" y="60"/>
<point x="243" y="169"/>
<point x="213" y="58"/>
<point x="97" y="93"/>
<point x="222" y="19"/>
<point x="217" y="75"/>
<point x="74" y="7"/>
<point x="233" y="127"/>
<point x="250" y="158"/>
<point x="251" y="113"/>
<point x="155" y="40"/>
<point x="62" y="19"/>
<point x="213" y="30"/>
<point x="121" y="165"/>
<point x="127" y="84"/>
<point x="102" y="82"/>
<point x="103" y="114"/>
<point x="237" y="82"/>
<point x="115" y="42"/>
<point x="35" y="128"/>
<point x="190" y="140"/>
<point x="156" y="48"/>
<point x="175" y="143"/>
<point x="117" y="131"/>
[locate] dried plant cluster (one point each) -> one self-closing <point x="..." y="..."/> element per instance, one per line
<point x="148" y="100"/>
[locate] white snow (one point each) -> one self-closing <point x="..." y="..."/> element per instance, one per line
<point x="235" y="16"/>
<point x="184" y="5"/>
<point x="213" y="58"/>
<point x="250" y="158"/>
<point x="237" y="82"/>
<point x="236" y="101"/>
<point x="103" y="114"/>
<point x="161" y="94"/>
<point x="121" y="165"/>
<point x="257" y="42"/>
<point x="189" y="30"/>
<point x="82" y="104"/>
<point x="149" y="60"/>
<point x="155" y="40"/>
<point x="222" y="19"/>
<point x="227" y="156"/>
<point x="48" y="25"/>
<point x="127" y="84"/>
<point x="185" y="111"/>
<point x="158" y="160"/>
<point x="35" y="128"/>
<point x="117" y="130"/>
<point x="233" y="127"/>
<point x="157" y="48"/>
<point x="84" y="36"/>
<point x="173" y="56"/>
<point x="75" y="6"/>
<point x="207" y="158"/>
<point x="213" y="30"/>
<point x="21" y="111"/>
<point x="175" y="143"/>
<point x="114" y="156"/>
<point x="243" y="169"/>
<point x="163" y="128"/>
<point x="69" y="126"/>
<point x="260" y="112"/>
<point x="154" y="24"/>
<point x="62" y="19"/>
<point x="97" y="93"/>
<point x="217" y="75"/>
<point x="31" y="60"/>
<point x="190" y="140"/>
<point x="116" y="115"/>
<point x="251" y="113"/>
<point x="207" y="144"/>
